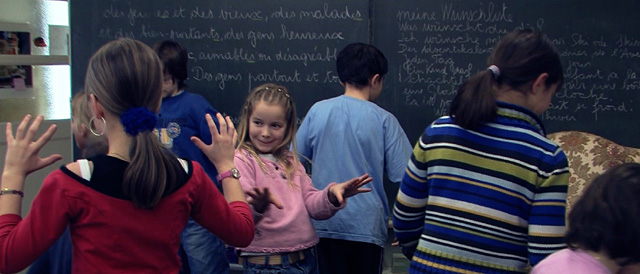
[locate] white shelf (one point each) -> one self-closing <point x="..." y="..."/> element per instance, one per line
<point x="11" y="26"/>
<point x="35" y="60"/>
<point x="10" y="93"/>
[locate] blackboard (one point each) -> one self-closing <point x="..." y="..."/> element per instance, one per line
<point x="432" y="47"/>
<point x="233" y="45"/>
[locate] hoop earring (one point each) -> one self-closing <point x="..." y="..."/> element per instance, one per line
<point x="104" y="127"/>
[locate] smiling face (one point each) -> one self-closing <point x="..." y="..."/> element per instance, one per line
<point x="267" y="127"/>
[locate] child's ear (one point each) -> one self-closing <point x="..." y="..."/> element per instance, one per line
<point x="98" y="112"/>
<point x="375" y="79"/>
<point x="539" y="83"/>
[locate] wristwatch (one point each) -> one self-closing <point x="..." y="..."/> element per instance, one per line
<point x="229" y="173"/>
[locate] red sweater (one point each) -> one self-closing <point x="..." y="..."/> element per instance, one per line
<point x="110" y="234"/>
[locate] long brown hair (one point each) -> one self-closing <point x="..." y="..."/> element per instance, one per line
<point x="276" y="95"/>
<point x="122" y="75"/>
<point x="521" y="56"/>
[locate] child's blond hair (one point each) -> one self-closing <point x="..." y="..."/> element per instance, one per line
<point x="276" y="95"/>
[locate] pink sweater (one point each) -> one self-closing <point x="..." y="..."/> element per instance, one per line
<point x="288" y="229"/>
<point x="570" y="261"/>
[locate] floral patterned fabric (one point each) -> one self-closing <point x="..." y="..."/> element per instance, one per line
<point x="590" y="155"/>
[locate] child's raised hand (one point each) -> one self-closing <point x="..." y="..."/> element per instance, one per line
<point x="222" y="148"/>
<point x="261" y="198"/>
<point x="341" y="191"/>
<point x="22" y="150"/>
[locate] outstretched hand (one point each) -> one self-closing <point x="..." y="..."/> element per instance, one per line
<point x="261" y="198"/>
<point x="222" y="148"/>
<point x="341" y="191"/>
<point x="22" y="149"/>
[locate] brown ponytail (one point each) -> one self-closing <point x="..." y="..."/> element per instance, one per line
<point x="521" y="57"/>
<point x="475" y="102"/>
<point x="125" y="74"/>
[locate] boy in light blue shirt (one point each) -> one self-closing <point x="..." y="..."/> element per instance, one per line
<point x="352" y="129"/>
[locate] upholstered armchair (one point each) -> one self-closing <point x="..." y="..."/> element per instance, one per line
<point x="590" y="155"/>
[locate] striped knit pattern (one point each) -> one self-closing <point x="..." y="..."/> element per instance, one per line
<point x="485" y="201"/>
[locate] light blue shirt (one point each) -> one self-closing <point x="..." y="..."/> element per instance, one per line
<point x="346" y="137"/>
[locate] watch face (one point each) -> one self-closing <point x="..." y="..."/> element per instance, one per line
<point x="235" y="173"/>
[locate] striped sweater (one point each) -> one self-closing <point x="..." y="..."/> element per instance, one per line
<point x="485" y="201"/>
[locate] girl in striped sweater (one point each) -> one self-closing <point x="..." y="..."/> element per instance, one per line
<point x="485" y="190"/>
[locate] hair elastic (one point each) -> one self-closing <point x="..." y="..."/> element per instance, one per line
<point x="286" y="94"/>
<point x="136" y="120"/>
<point x="495" y="71"/>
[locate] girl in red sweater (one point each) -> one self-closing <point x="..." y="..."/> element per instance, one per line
<point x="126" y="209"/>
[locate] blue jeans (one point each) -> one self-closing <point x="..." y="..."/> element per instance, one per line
<point x="308" y="265"/>
<point x="57" y="259"/>
<point x="205" y="252"/>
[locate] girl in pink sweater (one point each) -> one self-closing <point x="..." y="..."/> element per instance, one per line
<point x="603" y="228"/>
<point x="279" y="190"/>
